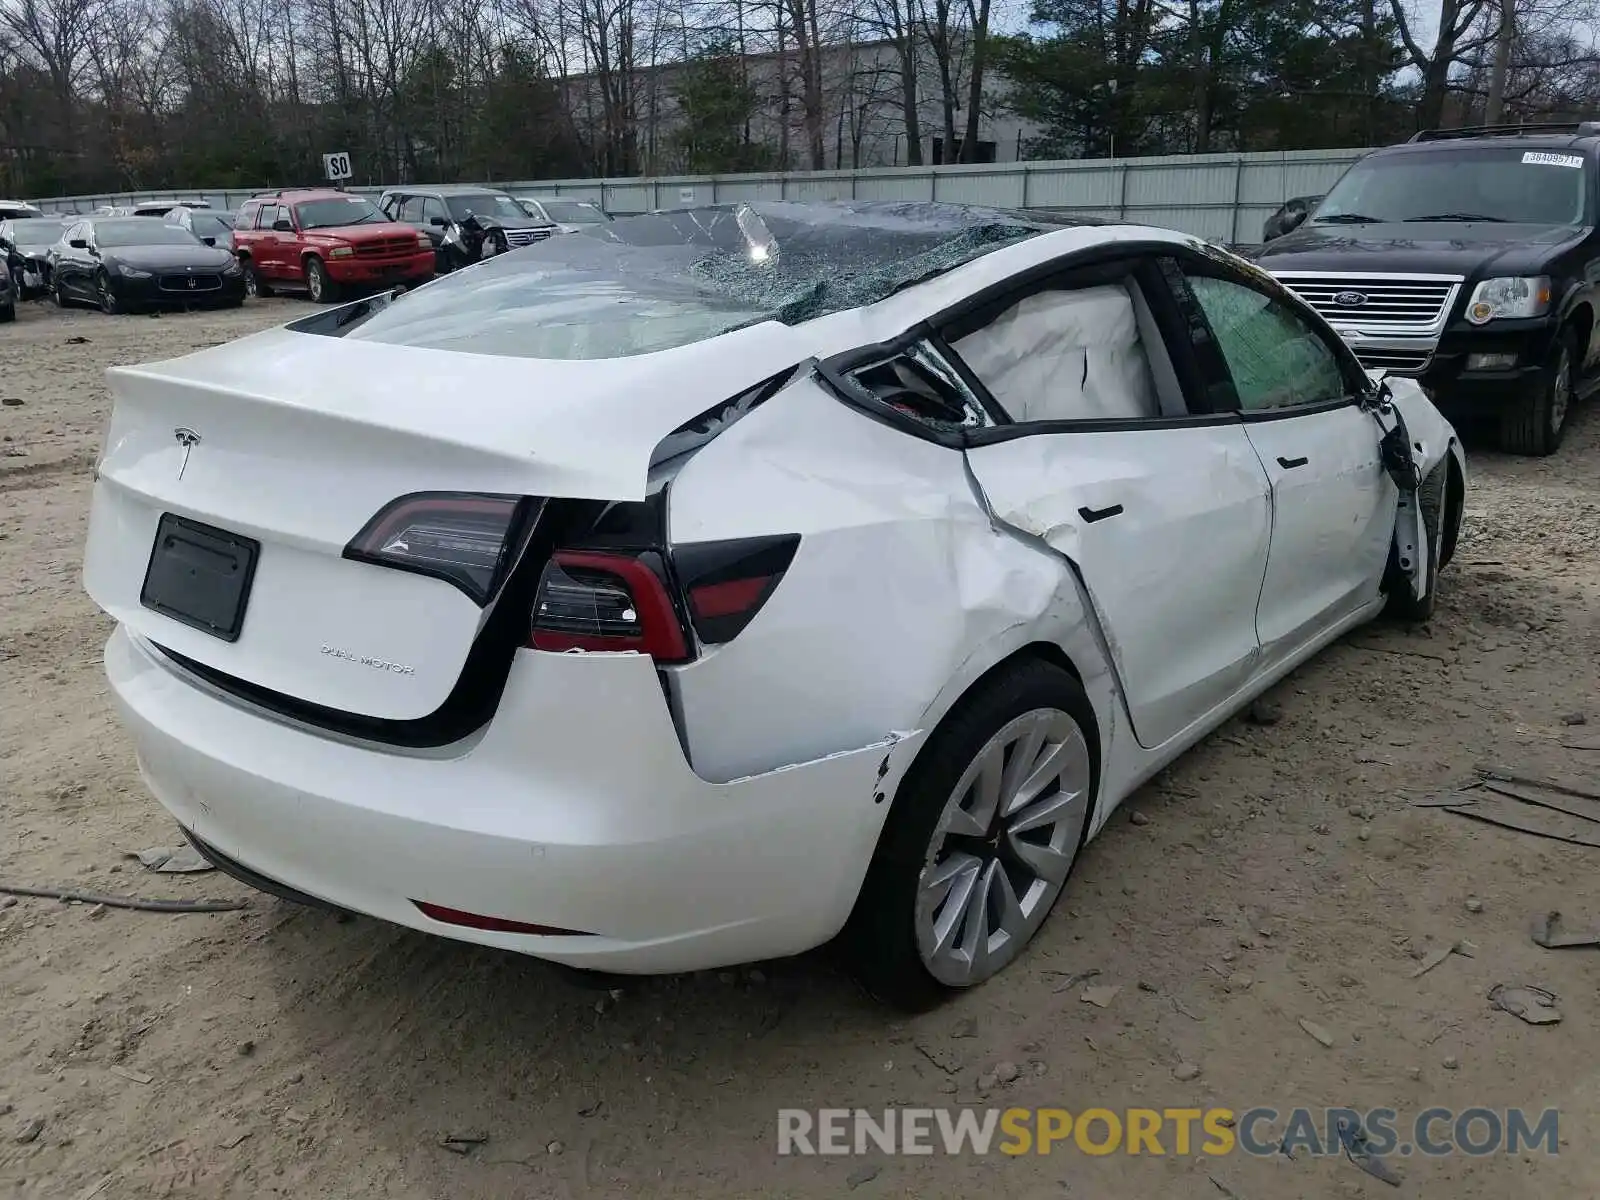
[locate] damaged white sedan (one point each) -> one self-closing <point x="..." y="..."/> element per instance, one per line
<point x="699" y="588"/>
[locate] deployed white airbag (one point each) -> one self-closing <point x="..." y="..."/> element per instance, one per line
<point x="1065" y="356"/>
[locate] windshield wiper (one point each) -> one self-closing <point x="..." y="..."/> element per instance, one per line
<point x="1457" y="217"/>
<point x="1348" y="219"/>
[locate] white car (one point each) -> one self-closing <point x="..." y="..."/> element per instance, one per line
<point x="693" y="593"/>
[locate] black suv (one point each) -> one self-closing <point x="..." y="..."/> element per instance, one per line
<point x="466" y="222"/>
<point x="1470" y="259"/>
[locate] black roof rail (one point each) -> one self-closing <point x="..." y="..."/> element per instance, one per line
<point x="1576" y="128"/>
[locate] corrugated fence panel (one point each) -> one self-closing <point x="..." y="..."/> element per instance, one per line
<point x="1224" y="196"/>
<point x="894" y="185"/>
<point x="1077" y="185"/>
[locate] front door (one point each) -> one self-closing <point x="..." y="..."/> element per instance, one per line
<point x="1333" y="505"/>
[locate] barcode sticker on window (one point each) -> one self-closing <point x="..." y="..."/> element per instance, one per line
<point x="1543" y="158"/>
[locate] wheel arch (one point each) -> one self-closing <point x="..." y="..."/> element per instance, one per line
<point x="1580" y="319"/>
<point x="1455" y="503"/>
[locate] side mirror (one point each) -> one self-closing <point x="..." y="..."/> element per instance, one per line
<point x="283" y="226"/>
<point x="78" y="244"/>
<point x="1295" y="218"/>
<point x="210" y="241"/>
<point x="440" y="222"/>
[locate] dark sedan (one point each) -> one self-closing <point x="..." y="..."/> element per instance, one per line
<point x="125" y="263"/>
<point x="27" y="246"/>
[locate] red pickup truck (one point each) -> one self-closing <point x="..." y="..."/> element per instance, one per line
<point x="325" y="242"/>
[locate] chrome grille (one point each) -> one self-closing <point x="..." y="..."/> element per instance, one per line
<point x="390" y="247"/>
<point x="526" y="237"/>
<point x="190" y="283"/>
<point x="1405" y="305"/>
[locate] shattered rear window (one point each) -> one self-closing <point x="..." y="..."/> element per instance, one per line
<point x="661" y="280"/>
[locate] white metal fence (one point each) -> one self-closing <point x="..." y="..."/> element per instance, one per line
<point x="1221" y="196"/>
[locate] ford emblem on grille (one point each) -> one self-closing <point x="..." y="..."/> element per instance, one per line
<point x="1350" y="299"/>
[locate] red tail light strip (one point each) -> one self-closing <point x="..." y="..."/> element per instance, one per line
<point x="660" y="636"/>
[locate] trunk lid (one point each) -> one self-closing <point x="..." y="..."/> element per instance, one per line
<point x="297" y="440"/>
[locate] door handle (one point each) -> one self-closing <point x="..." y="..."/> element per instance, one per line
<point x="1092" y="515"/>
<point x="1289" y="464"/>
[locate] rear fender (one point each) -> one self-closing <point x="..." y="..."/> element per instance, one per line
<point x="903" y="592"/>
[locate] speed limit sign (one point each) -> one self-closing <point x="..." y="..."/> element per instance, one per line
<point x="337" y="166"/>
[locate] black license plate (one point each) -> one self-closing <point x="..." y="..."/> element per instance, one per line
<point x="200" y="575"/>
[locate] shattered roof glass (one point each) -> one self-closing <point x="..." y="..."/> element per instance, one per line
<point x="665" y="279"/>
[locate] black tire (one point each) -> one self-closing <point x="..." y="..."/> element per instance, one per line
<point x="109" y="304"/>
<point x="322" y="289"/>
<point x="254" y="285"/>
<point x="1536" y="427"/>
<point x="1402" y="605"/>
<point x="56" y="297"/>
<point x="880" y="940"/>
<point x="8" y="313"/>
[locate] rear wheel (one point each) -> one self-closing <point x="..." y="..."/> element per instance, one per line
<point x="1537" y="426"/>
<point x="323" y="290"/>
<point x="254" y="285"/>
<point x="8" y="312"/>
<point x="981" y="838"/>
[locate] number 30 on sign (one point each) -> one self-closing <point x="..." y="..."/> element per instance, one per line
<point x="337" y="166"/>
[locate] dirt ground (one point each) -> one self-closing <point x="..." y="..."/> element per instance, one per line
<point x="1275" y="874"/>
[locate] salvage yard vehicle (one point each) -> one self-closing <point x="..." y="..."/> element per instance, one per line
<point x="1289" y="216"/>
<point x="465" y="223"/>
<point x="18" y="210"/>
<point x="568" y="216"/>
<point x="27" y="245"/>
<point x="744" y="576"/>
<point x="8" y="298"/>
<point x="123" y="264"/>
<point x="326" y="242"/>
<point x="212" y="226"/>
<point x="1468" y="259"/>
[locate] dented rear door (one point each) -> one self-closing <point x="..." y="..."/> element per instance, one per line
<point x="1168" y="527"/>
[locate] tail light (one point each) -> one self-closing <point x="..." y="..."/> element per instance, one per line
<point x="726" y="583"/>
<point x="466" y="539"/>
<point x="619" y="600"/>
<point x="603" y="600"/>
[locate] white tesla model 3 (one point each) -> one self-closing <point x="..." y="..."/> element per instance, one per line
<point x="698" y="588"/>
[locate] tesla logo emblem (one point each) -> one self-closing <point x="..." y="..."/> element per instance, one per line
<point x="1350" y="299"/>
<point x="188" y="439"/>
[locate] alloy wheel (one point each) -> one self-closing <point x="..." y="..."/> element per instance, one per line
<point x="315" y="283"/>
<point x="1561" y="391"/>
<point x="1003" y="847"/>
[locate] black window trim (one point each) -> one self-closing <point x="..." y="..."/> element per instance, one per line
<point x="1141" y="259"/>
<point x="834" y="371"/>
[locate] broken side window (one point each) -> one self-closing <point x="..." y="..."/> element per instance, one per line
<point x="919" y="383"/>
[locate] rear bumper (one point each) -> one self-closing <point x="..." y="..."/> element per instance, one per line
<point x="574" y="809"/>
<point x="356" y="271"/>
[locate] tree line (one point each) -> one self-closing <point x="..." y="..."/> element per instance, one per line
<point x="100" y="95"/>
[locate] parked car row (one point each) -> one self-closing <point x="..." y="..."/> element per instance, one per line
<point x="321" y="242"/>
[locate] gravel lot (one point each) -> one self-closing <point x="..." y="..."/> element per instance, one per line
<point x="1275" y="874"/>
